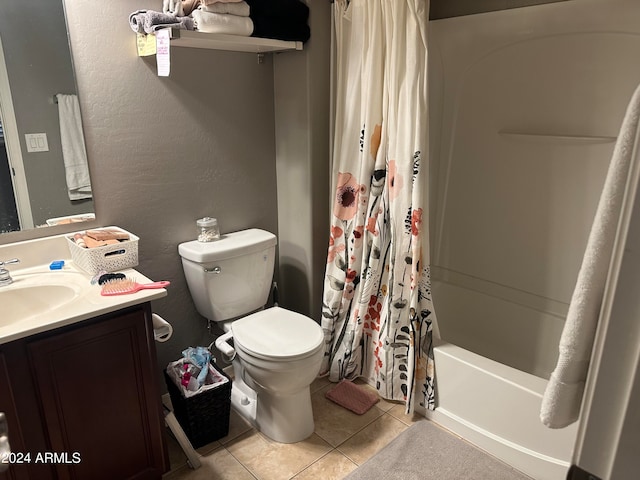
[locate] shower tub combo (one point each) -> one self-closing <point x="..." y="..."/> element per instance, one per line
<point x="525" y="107"/>
<point x="493" y="405"/>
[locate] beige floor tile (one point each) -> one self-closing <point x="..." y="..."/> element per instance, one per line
<point x="369" y="441"/>
<point x="177" y="457"/>
<point x="269" y="460"/>
<point x="208" y="448"/>
<point x="397" y="411"/>
<point x="333" y="466"/>
<point x="237" y="426"/>
<point x="319" y="383"/>
<point x="335" y="423"/>
<point x="216" y="465"/>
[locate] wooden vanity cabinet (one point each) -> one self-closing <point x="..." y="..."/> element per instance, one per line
<point x="8" y="406"/>
<point x="87" y="402"/>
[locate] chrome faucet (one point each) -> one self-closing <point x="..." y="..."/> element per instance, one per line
<point x="5" y="275"/>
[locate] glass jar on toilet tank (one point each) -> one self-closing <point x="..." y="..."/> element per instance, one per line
<point x="208" y="230"/>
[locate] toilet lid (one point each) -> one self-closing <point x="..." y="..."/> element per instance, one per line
<point x="277" y="333"/>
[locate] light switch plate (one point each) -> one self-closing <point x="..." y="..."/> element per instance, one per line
<point x="36" y="142"/>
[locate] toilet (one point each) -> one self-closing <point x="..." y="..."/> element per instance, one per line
<point x="276" y="353"/>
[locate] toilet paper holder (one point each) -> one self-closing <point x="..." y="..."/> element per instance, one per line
<point x="162" y="330"/>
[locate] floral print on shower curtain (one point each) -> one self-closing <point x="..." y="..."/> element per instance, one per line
<point x="377" y="309"/>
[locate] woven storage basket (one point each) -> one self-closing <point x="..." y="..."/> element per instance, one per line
<point x="108" y="258"/>
<point x="204" y="417"/>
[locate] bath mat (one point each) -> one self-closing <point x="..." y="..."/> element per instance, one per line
<point x="424" y="451"/>
<point x="352" y="397"/>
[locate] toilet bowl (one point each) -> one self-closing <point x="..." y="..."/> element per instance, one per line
<point x="276" y="353"/>
<point x="279" y="354"/>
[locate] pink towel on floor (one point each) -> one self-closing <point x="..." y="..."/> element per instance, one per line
<point x="352" y="397"/>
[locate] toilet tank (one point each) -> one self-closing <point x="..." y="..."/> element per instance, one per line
<point x="232" y="276"/>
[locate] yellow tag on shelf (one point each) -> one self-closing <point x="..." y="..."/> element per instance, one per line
<point x="146" y="44"/>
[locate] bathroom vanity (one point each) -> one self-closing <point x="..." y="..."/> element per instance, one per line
<point x="79" y="383"/>
<point x="89" y="394"/>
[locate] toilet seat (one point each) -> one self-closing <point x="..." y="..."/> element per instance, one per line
<point x="277" y="334"/>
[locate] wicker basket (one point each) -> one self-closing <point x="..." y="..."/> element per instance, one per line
<point x="204" y="417"/>
<point x="108" y="258"/>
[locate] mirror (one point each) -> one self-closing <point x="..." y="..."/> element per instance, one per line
<point x="44" y="178"/>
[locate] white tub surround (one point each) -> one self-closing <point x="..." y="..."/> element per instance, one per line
<point x="526" y="107"/>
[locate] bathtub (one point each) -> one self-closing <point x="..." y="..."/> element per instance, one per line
<point x="512" y="200"/>
<point x="493" y="405"/>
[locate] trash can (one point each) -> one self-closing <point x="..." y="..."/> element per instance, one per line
<point x="202" y="414"/>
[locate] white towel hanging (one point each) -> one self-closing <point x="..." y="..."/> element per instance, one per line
<point x="74" y="151"/>
<point x="563" y="396"/>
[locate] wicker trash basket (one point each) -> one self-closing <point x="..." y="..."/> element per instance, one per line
<point x="204" y="417"/>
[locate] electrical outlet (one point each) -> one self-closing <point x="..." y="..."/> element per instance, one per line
<point x="36" y="142"/>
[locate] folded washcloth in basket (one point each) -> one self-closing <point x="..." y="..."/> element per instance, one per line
<point x="220" y="23"/>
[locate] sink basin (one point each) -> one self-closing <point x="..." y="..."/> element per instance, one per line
<point x="34" y="294"/>
<point x="41" y="299"/>
<point x="24" y="302"/>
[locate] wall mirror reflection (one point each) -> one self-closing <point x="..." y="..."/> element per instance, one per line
<point x="44" y="177"/>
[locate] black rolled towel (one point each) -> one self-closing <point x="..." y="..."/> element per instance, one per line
<point x="280" y="19"/>
<point x="294" y="10"/>
<point x="268" y="28"/>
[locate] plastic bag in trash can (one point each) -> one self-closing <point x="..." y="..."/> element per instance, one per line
<point x="199" y="356"/>
<point x="212" y="378"/>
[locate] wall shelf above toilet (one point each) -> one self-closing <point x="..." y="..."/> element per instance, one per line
<point x="234" y="43"/>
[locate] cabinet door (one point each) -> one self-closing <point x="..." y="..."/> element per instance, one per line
<point x="100" y="400"/>
<point x="21" y="420"/>
<point x="7" y="405"/>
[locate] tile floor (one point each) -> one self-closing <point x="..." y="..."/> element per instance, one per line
<point x="342" y="441"/>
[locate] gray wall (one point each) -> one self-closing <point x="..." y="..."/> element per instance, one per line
<point x="302" y="152"/>
<point x="166" y="151"/>
<point x="39" y="65"/>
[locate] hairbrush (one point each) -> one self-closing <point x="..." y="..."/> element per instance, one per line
<point x="123" y="286"/>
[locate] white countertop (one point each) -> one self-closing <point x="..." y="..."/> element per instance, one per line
<point x="85" y="300"/>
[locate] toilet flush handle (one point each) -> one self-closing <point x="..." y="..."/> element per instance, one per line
<point x="222" y="344"/>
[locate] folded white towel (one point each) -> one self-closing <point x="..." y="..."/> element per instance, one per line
<point x="563" y="396"/>
<point x="173" y="7"/>
<point x="74" y="151"/>
<point x="183" y="8"/>
<point x="211" y="2"/>
<point x="218" y="23"/>
<point x="241" y="9"/>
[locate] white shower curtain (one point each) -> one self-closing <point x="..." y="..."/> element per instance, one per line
<point x="377" y="309"/>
